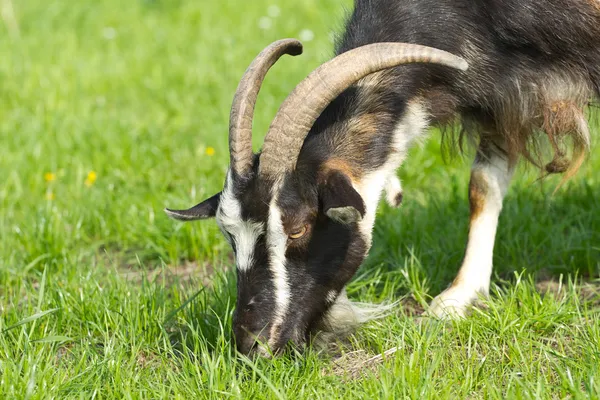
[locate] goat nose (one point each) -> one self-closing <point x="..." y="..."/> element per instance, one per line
<point x="252" y="343"/>
<point x="245" y="342"/>
<point x="245" y="338"/>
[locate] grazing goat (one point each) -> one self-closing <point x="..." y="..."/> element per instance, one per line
<point x="299" y="215"/>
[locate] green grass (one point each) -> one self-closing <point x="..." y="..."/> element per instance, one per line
<point x="101" y="296"/>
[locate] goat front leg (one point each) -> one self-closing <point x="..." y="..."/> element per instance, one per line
<point x="490" y="177"/>
<point x="393" y="190"/>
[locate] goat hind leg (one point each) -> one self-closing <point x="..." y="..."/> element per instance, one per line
<point x="490" y="177"/>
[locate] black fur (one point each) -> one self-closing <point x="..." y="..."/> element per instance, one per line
<point x="336" y="192"/>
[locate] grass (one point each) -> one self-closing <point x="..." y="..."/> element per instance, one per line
<point x="111" y="110"/>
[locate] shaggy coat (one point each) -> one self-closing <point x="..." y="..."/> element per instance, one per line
<point x="533" y="68"/>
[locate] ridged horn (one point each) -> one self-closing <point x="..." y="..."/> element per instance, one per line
<point x="242" y="108"/>
<point x="303" y="106"/>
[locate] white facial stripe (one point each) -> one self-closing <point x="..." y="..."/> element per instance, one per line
<point x="277" y="242"/>
<point x="245" y="234"/>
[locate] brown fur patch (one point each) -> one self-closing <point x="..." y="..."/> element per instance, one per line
<point x="365" y="124"/>
<point x="595" y="4"/>
<point x="441" y="105"/>
<point x="339" y="164"/>
<point x="478" y="190"/>
<point x="398" y="199"/>
<point x="553" y="106"/>
<point x="362" y="128"/>
<point x="562" y="120"/>
<point x="526" y="112"/>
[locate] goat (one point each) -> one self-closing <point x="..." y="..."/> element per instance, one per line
<point x="299" y="215"/>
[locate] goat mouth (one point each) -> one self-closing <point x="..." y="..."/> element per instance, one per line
<point x="294" y="334"/>
<point x="318" y="336"/>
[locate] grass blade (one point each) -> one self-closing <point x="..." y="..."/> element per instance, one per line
<point x="32" y="318"/>
<point x="53" y="339"/>
<point x="262" y="376"/>
<point x="181" y="307"/>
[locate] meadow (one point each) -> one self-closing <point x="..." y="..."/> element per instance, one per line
<point x="111" y="111"/>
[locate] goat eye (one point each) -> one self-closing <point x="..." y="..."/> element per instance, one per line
<point x="297" y="234"/>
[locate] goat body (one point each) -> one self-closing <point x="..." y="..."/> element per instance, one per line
<point x="300" y="215"/>
<point x="534" y="66"/>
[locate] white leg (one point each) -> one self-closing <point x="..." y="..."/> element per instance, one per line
<point x="490" y="177"/>
<point x="393" y="190"/>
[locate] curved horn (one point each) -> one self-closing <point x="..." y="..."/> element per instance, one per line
<point x="303" y="106"/>
<point x="242" y="108"/>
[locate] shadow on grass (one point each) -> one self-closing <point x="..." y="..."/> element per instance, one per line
<point x="543" y="236"/>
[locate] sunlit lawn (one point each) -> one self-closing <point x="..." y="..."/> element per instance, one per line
<point x="110" y="111"/>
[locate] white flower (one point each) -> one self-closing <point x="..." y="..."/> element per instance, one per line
<point x="306" y="35"/>
<point x="274" y="11"/>
<point x="109" y="33"/>
<point x="265" y="23"/>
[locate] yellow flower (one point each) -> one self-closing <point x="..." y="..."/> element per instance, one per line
<point x="91" y="178"/>
<point x="50" y="196"/>
<point x="210" y="151"/>
<point x="49" y="176"/>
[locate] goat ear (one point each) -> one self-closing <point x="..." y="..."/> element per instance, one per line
<point x="340" y="201"/>
<point x="206" y="209"/>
